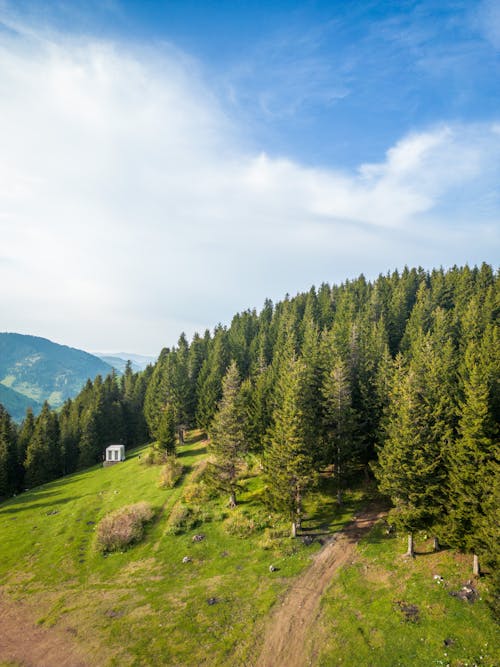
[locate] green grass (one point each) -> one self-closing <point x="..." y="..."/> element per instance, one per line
<point x="144" y="606"/>
<point x="362" y="622"/>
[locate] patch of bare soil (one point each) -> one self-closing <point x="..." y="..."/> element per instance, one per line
<point x="23" y="642"/>
<point x="289" y="633"/>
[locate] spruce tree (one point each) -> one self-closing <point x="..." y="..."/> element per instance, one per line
<point x="166" y="441"/>
<point x="418" y="430"/>
<point x="473" y="463"/>
<point x="24" y="436"/>
<point x="43" y="455"/>
<point x="9" y="481"/>
<point x="339" y="420"/>
<point x="288" y="461"/>
<point x="227" y="435"/>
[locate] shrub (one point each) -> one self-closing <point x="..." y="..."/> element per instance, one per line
<point x="181" y="518"/>
<point x="123" y="527"/>
<point x="240" y="525"/>
<point x="155" y="456"/>
<point x="198" y="492"/>
<point x="170" y="473"/>
<point x="243" y="525"/>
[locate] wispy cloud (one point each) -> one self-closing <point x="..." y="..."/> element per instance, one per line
<point x="488" y="21"/>
<point x="130" y="208"/>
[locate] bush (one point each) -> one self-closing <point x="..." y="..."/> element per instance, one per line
<point x="198" y="492"/>
<point x="123" y="527"/>
<point x="243" y="525"/>
<point x="181" y="518"/>
<point x="170" y="473"/>
<point x="155" y="456"/>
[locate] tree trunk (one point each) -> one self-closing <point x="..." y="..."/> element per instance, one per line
<point x="340" y="499"/>
<point x="294" y="529"/>
<point x="476" y="571"/>
<point x="436" y="544"/>
<point x="298" y="520"/>
<point x="232" y="500"/>
<point x="411" y="552"/>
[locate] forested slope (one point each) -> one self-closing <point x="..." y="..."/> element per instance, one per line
<point x="398" y="375"/>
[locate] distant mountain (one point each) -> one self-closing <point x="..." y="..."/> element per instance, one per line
<point x="16" y="404"/>
<point x="119" y="364"/>
<point x="119" y="360"/>
<point x="42" y="370"/>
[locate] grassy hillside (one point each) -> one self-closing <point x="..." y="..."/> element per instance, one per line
<point x="42" y="370"/>
<point x="146" y="607"/>
<point x="384" y="609"/>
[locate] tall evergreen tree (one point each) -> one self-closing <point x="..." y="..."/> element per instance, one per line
<point x="227" y="435"/>
<point x="166" y="441"/>
<point x="339" y="418"/>
<point x="474" y="464"/>
<point x="288" y="461"/>
<point x="9" y="480"/>
<point x="43" y="456"/>
<point x="24" y="436"/>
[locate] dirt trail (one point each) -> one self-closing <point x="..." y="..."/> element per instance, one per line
<point x="292" y="624"/>
<point x="23" y="642"/>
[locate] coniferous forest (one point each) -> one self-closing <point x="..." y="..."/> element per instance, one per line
<point x="397" y="379"/>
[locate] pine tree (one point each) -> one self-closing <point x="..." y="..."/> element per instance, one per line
<point x="288" y="461"/>
<point x="24" y="436"/>
<point x="89" y="450"/>
<point x="339" y="419"/>
<point x="418" y="429"/>
<point x="70" y="436"/>
<point x="9" y="481"/>
<point x="209" y="389"/>
<point x="43" y="456"/>
<point x="227" y="436"/>
<point x="473" y="463"/>
<point x="166" y="441"/>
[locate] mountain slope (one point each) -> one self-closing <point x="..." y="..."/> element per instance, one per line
<point x="42" y="370"/>
<point x="16" y="404"/>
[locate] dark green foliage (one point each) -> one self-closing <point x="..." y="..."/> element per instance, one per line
<point x="9" y="470"/>
<point x="474" y="473"/>
<point x="209" y="383"/>
<point x="227" y="435"/>
<point x="342" y="443"/>
<point x="419" y="427"/>
<point x="166" y="440"/>
<point x="288" y="461"/>
<point x="43" y="459"/>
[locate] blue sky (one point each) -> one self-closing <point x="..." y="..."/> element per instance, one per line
<point x="166" y="164"/>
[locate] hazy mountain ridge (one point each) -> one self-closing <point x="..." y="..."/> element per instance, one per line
<point x="40" y="370"/>
<point x="119" y="360"/>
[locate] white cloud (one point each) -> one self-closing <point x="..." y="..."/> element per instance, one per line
<point x="130" y="210"/>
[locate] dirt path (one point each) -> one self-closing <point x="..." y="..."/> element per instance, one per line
<point x="23" y="642"/>
<point x="292" y="624"/>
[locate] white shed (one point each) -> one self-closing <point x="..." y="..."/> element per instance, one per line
<point x="114" y="454"/>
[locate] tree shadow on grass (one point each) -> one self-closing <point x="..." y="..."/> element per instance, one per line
<point x="199" y="451"/>
<point x="21" y="507"/>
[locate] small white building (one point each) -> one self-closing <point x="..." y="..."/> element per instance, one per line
<point x="114" y="454"/>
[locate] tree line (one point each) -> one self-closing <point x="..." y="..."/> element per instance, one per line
<point x="398" y="376"/>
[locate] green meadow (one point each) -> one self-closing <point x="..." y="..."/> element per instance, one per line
<point x="145" y="606"/>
